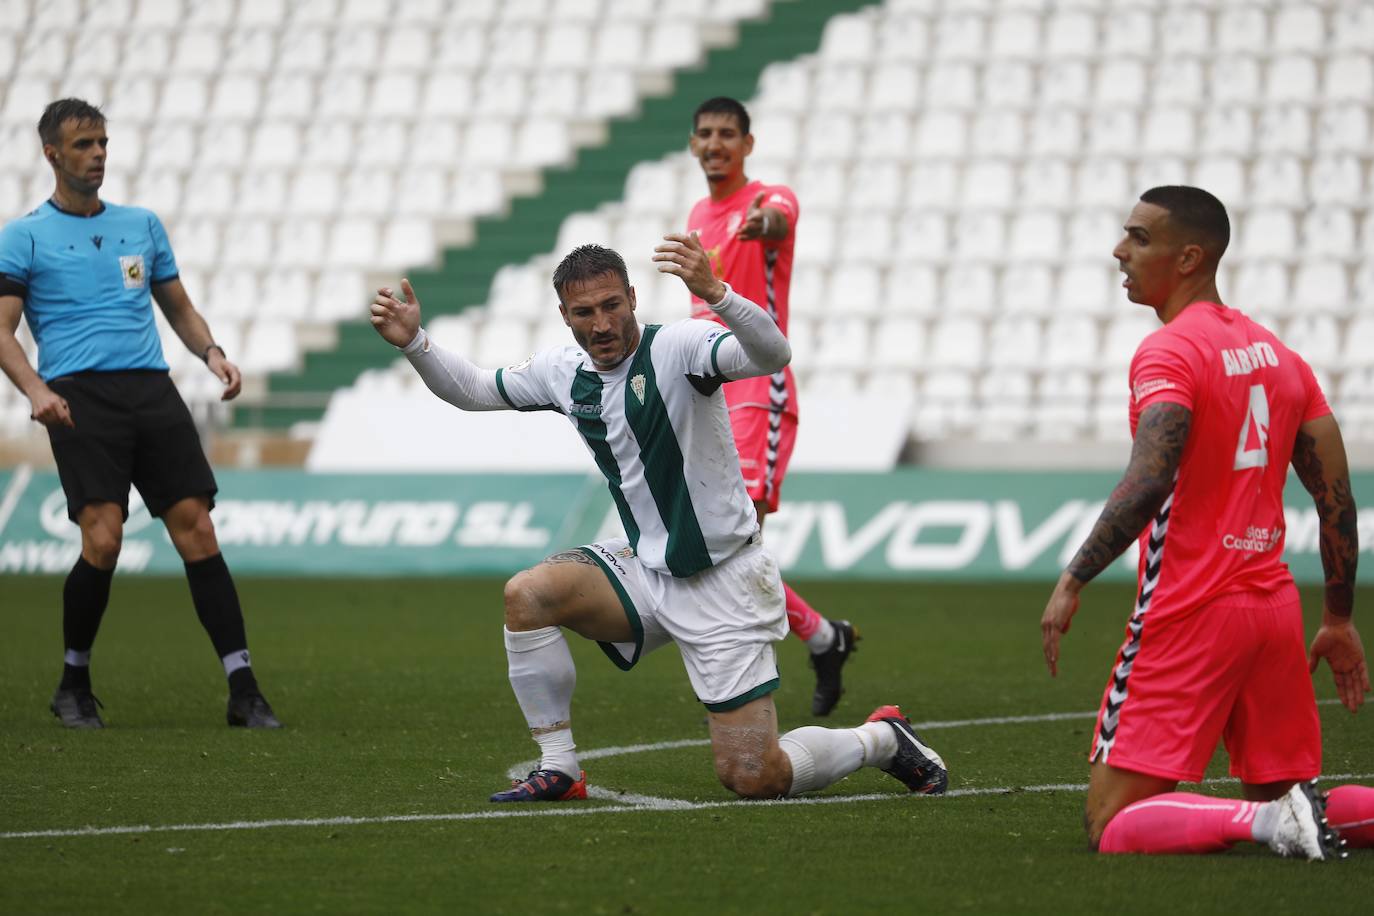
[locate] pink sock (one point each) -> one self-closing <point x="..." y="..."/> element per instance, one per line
<point x="801" y="617"/>
<point x="1179" y="822"/>
<point x="1350" y="809"/>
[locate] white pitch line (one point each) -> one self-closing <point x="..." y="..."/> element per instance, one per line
<point x="569" y="811"/>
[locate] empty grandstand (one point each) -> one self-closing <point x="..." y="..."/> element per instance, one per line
<point x="963" y="170"/>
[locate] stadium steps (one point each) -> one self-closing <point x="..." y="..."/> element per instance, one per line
<point x="597" y="175"/>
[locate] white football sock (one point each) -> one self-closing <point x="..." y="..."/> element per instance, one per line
<point x="543" y="677"/>
<point x="1265" y="822"/>
<point x="822" y="639"/>
<point x="823" y="756"/>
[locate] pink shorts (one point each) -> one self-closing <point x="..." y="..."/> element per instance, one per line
<point x="764" y="466"/>
<point x="1235" y="670"/>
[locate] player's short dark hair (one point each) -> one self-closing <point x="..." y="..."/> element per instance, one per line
<point x="1196" y="212"/>
<point x="586" y="262"/>
<point x="64" y="110"/>
<point x="722" y="104"/>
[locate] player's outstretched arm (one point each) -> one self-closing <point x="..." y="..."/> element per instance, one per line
<point x="1160" y="438"/>
<point x="1320" y="461"/>
<point x="45" y="405"/>
<point x="762" y="222"/>
<point x="450" y="376"/>
<point x="190" y="326"/>
<point x="758" y="346"/>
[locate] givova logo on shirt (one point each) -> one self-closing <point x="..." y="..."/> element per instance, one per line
<point x="131" y="265"/>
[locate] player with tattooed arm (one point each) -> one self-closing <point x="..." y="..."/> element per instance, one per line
<point x="647" y="402"/>
<point x="1214" y="649"/>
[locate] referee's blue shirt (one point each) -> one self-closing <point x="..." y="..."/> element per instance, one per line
<point x="85" y="281"/>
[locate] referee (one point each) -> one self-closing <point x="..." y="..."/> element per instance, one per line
<point x="81" y="270"/>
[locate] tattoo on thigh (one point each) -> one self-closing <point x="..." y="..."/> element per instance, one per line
<point x="570" y="556"/>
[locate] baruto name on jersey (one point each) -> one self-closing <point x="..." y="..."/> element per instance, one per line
<point x="85" y="282"/>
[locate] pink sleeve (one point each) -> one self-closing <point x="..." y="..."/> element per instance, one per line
<point x="1316" y="405"/>
<point x="1161" y="374"/>
<point x="780" y="197"/>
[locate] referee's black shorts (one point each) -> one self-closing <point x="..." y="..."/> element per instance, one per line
<point x="131" y="427"/>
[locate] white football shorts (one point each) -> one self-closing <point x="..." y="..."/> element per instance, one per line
<point x="724" y="619"/>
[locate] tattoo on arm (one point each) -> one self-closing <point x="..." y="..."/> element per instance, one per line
<point x="1160" y="438"/>
<point x="1340" y="538"/>
<point x="570" y="556"/>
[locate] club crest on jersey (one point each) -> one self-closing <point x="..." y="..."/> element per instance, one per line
<point x="637" y="386"/>
<point x="131" y="265"/>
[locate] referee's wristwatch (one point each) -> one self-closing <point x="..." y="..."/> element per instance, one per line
<point x="205" y="357"/>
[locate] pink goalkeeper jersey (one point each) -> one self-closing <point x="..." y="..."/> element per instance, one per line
<point x="760" y="271"/>
<point x="1222" y="530"/>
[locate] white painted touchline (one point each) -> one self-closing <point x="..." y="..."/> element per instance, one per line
<point x="625" y="802"/>
<point x="571" y="810"/>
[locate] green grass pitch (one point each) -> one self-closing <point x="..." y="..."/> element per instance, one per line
<point x="396" y="702"/>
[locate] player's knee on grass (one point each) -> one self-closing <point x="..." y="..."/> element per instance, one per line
<point x="1094" y="827"/>
<point x="752" y="777"/>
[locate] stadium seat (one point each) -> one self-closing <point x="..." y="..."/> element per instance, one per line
<point x="1121" y="82"/>
<point x="1178" y="81"/>
<point x="854" y="289"/>
<point x="904" y="38"/>
<point x="1261" y="286"/>
<point x="1291" y="79"/>
<point x="899" y="343"/>
<point x="1349" y="77"/>
<point x="1015" y="343"/>
<point x="1323" y="286"/>
<point x="912" y="289"/>
<point x="957" y="342"/>
<point x="989" y="185"/>
<point x="846" y="345"/>
<point x="1008" y="85"/>
<point x="1071" y="33"/>
<point x="1223" y="176"/>
<point x="847" y="38"/>
<point x="1329" y="232"/>
<point x="1267" y="233"/>
<point x="1025" y="289"/>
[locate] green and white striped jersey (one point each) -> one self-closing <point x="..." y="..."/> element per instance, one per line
<point x="659" y="430"/>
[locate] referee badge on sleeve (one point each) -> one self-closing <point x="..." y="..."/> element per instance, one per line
<point x="131" y="265"/>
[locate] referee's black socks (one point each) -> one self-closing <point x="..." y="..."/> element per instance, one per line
<point x="217" y="606"/>
<point x="84" y="597"/>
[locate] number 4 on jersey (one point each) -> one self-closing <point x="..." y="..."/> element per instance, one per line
<point x="1252" y="450"/>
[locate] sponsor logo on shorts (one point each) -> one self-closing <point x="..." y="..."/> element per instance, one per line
<point x="625" y="552"/>
<point x="1255" y="540"/>
<point x="611" y="558"/>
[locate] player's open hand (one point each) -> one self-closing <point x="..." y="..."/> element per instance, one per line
<point x="1339" y="643"/>
<point x="1058" y="615"/>
<point x="755" y="221"/>
<point x="397" y="320"/>
<point x="51" y="409"/>
<point x="226" y="372"/>
<point x="683" y="256"/>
